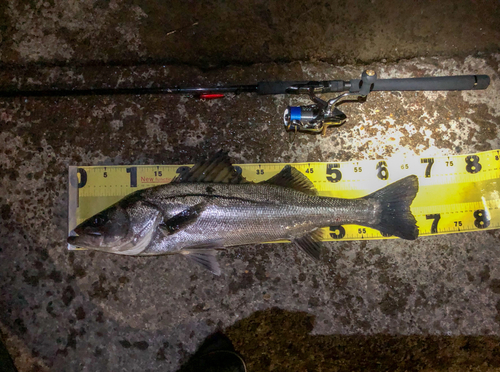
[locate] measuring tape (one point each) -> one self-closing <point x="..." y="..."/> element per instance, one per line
<point x="456" y="194"/>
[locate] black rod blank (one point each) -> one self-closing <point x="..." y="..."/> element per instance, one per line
<point x="464" y="82"/>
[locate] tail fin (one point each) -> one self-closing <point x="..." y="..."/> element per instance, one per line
<point x="395" y="200"/>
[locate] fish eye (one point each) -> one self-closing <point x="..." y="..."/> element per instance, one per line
<point x="98" y="220"/>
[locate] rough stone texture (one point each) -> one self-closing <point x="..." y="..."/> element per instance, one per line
<point x="126" y="31"/>
<point x="93" y="311"/>
<point x="434" y="302"/>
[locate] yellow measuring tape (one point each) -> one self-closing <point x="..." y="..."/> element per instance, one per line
<point x="457" y="193"/>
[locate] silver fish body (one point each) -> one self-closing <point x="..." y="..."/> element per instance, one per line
<point x="252" y="213"/>
<point x="212" y="207"/>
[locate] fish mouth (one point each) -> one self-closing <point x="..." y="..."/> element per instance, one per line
<point x="85" y="237"/>
<point x="88" y="240"/>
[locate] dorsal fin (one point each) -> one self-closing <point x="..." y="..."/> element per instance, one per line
<point x="217" y="169"/>
<point x="292" y="178"/>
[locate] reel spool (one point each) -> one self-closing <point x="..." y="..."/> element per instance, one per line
<point x="318" y="117"/>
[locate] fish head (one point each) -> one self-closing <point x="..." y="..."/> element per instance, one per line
<point x="123" y="228"/>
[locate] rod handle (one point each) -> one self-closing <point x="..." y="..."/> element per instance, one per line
<point x="464" y="82"/>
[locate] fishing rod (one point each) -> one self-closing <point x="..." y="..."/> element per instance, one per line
<point x="314" y="118"/>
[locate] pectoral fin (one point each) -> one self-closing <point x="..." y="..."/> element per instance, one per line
<point x="204" y="255"/>
<point x="310" y="243"/>
<point x="182" y="220"/>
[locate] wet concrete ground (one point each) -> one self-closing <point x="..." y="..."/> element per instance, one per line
<point x="433" y="303"/>
<point x="214" y="33"/>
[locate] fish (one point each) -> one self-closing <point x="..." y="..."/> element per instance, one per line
<point x="212" y="207"/>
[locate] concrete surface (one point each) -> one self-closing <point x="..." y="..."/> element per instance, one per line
<point x="93" y="311"/>
<point x="243" y="32"/>
<point x="434" y="303"/>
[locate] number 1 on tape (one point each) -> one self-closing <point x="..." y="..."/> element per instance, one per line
<point x="456" y="193"/>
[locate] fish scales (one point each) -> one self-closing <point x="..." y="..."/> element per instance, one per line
<point x="249" y="213"/>
<point x="211" y="207"/>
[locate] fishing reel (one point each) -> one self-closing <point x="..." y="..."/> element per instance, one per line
<point x="322" y="114"/>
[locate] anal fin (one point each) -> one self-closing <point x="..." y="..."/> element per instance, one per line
<point x="310" y="243"/>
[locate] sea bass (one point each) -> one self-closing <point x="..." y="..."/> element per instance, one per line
<point x="211" y="207"/>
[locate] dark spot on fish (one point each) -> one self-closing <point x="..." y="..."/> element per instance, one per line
<point x="68" y="295"/>
<point x="495" y="285"/>
<point x="80" y="313"/>
<point x="210" y="190"/>
<point x="141" y="345"/>
<point x="125" y="344"/>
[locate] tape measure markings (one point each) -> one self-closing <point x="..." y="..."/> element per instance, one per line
<point x="452" y="188"/>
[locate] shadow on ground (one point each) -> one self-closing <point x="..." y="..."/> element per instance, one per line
<point x="280" y="340"/>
